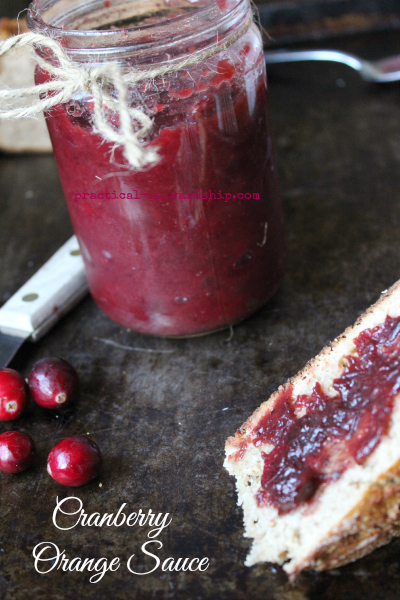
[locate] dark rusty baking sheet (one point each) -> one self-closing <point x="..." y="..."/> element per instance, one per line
<point x="161" y="410"/>
<point x="288" y="21"/>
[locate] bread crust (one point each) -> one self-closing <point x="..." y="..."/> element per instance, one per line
<point x="9" y="27"/>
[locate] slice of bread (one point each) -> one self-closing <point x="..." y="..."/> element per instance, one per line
<point x="347" y="518"/>
<point x="17" y="71"/>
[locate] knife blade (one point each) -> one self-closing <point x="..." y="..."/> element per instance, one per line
<point x="52" y="291"/>
<point x="9" y="346"/>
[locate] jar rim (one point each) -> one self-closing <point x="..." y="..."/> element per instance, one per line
<point x="118" y="41"/>
<point x="38" y="6"/>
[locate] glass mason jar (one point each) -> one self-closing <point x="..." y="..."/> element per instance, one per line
<point x="195" y="242"/>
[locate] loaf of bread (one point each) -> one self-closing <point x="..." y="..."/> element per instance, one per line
<point x="16" y="71"/>
<point x="355" y="505"/>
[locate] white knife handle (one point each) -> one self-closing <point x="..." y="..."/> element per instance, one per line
<point x="48" y="295"/>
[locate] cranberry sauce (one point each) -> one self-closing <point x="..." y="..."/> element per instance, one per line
<point x="335" y="432"/>
<point x="196" y="242"/>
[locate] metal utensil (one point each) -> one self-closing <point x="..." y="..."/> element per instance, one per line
<point x="43" y="300"/>
<point x="381" y="71"/>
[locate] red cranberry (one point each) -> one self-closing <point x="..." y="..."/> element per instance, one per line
<point x="13" y="394"/>
<point x="17" y="451"/>
<point x="74" y="461"/>
<point x="53" y="382"/>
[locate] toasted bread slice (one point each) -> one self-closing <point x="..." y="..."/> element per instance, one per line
<point x="348" y="517"/>
<point x="17" y="71"/>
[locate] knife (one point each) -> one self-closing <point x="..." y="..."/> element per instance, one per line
<point x="58" y="286"/>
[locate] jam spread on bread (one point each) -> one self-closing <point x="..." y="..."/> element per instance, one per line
<point x="317" y="437"/>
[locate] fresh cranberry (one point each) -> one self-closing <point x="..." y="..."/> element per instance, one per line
<point x="13" y="395"/>
<point x="53" y="382"/>
<point x="74" y="461"/>
<point x="17" y="451"/>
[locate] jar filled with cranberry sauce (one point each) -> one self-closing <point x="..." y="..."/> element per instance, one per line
<point x="193" y="242"/>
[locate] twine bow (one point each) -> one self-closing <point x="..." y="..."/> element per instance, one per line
<point x="70" y="77"/>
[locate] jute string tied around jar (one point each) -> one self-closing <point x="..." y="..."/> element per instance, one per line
<point x="70" y="77"/>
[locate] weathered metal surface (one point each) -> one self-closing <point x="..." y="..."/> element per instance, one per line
<point x="304" y="20"/>
<point x="161" y="410"/>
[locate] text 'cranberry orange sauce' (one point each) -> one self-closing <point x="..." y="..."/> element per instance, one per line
<point x="317" y="437"/>
<point x="194" y="242"/>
